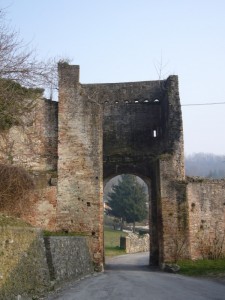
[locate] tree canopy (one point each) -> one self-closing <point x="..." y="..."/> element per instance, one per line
<point x="128" y="200"/>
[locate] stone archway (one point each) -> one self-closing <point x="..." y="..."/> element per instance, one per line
<point x="109" y="129"/>
<point x="151" y="182"/>
<point x="154" y="219"/>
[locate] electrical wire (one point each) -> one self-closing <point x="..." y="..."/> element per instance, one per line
<point x="199" y="104"/>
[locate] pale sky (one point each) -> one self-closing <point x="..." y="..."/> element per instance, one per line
<point x="123" y="40"/>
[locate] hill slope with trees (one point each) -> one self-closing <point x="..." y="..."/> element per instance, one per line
<point x="205" y="165"/>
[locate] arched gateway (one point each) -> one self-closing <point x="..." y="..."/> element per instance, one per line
<point x="109" y="129"/>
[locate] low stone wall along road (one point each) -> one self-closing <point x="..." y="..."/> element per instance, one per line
<point x="128" y="277"/>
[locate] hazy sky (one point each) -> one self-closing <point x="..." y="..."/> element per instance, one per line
<point x="123" y="40"/>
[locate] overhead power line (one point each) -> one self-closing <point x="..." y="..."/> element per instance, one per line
<point x="198" y="104"/>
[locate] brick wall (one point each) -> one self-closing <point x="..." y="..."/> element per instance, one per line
<point x="80" y="172"/>
<point x="33" y="146"/>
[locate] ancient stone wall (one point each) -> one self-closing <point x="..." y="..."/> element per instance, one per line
<point x="34" y="143"/>
<point x="68" y="258"/>
<point x="33" y="146"/>
<point x="174" y="216"/>
<point x="40" y="211"/>
<point x="30" y="265"/>
<point x="80" y="172"/>
<point x="23" y="266"/>
<point x="206" y="206"/>
<point x="134" y="243"/>
<point x="170" y="205"/>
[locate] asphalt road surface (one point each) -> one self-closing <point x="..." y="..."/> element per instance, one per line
<point x="128" y="277"/>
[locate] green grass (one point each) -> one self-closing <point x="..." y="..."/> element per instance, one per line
<point x="12" y="221"/>
<point x="202" y="267"/>
<point x="112" y="242"/>
<point x="113" y="251"/>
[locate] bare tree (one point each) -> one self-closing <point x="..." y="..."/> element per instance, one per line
<point x="160" y="68"/>
<point x="22" y="76"/>
<point x="18" y="61"/>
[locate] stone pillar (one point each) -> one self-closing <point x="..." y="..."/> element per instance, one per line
<point x="174" y="238"/>
<point x="155" y="218"/>
<point x="80" y="188"/>
<point x="174" y="212"/>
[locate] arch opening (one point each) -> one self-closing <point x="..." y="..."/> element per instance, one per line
<point x="149" y="225"/>
<point x="126" y="217"/>
<point x="134" y="183"/>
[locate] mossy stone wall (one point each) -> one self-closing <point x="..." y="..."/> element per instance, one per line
<point x="31" y="265"/>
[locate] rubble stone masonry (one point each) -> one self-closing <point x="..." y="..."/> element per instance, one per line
<point x="206" y="207"/>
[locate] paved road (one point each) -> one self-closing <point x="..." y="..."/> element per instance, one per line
<point x="128" y="278"/>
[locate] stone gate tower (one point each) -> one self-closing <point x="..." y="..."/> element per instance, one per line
<point x="109" y="129"/>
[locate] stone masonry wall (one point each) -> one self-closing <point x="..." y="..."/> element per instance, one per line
<point x="68" y="257"/>
<point x="23" y="265"/>
<point x="33" y="146"/>
<point x="134" y="243"/>
<point x="172" y="204"/>
<point x="41" y="209"/>
<point x="206" y="206"/>
<point x="175" y="222"/>
<point x="30" y="265"/>
<point x="80" y="171"/>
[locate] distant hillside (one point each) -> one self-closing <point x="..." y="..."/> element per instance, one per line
<point x="205" y="165"/>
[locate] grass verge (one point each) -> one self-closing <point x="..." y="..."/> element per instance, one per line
<point x="203" y="267"/>
<point x="112" y="242"/>
<point x="113" y="251"/>
<point x="12" y="221"/>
